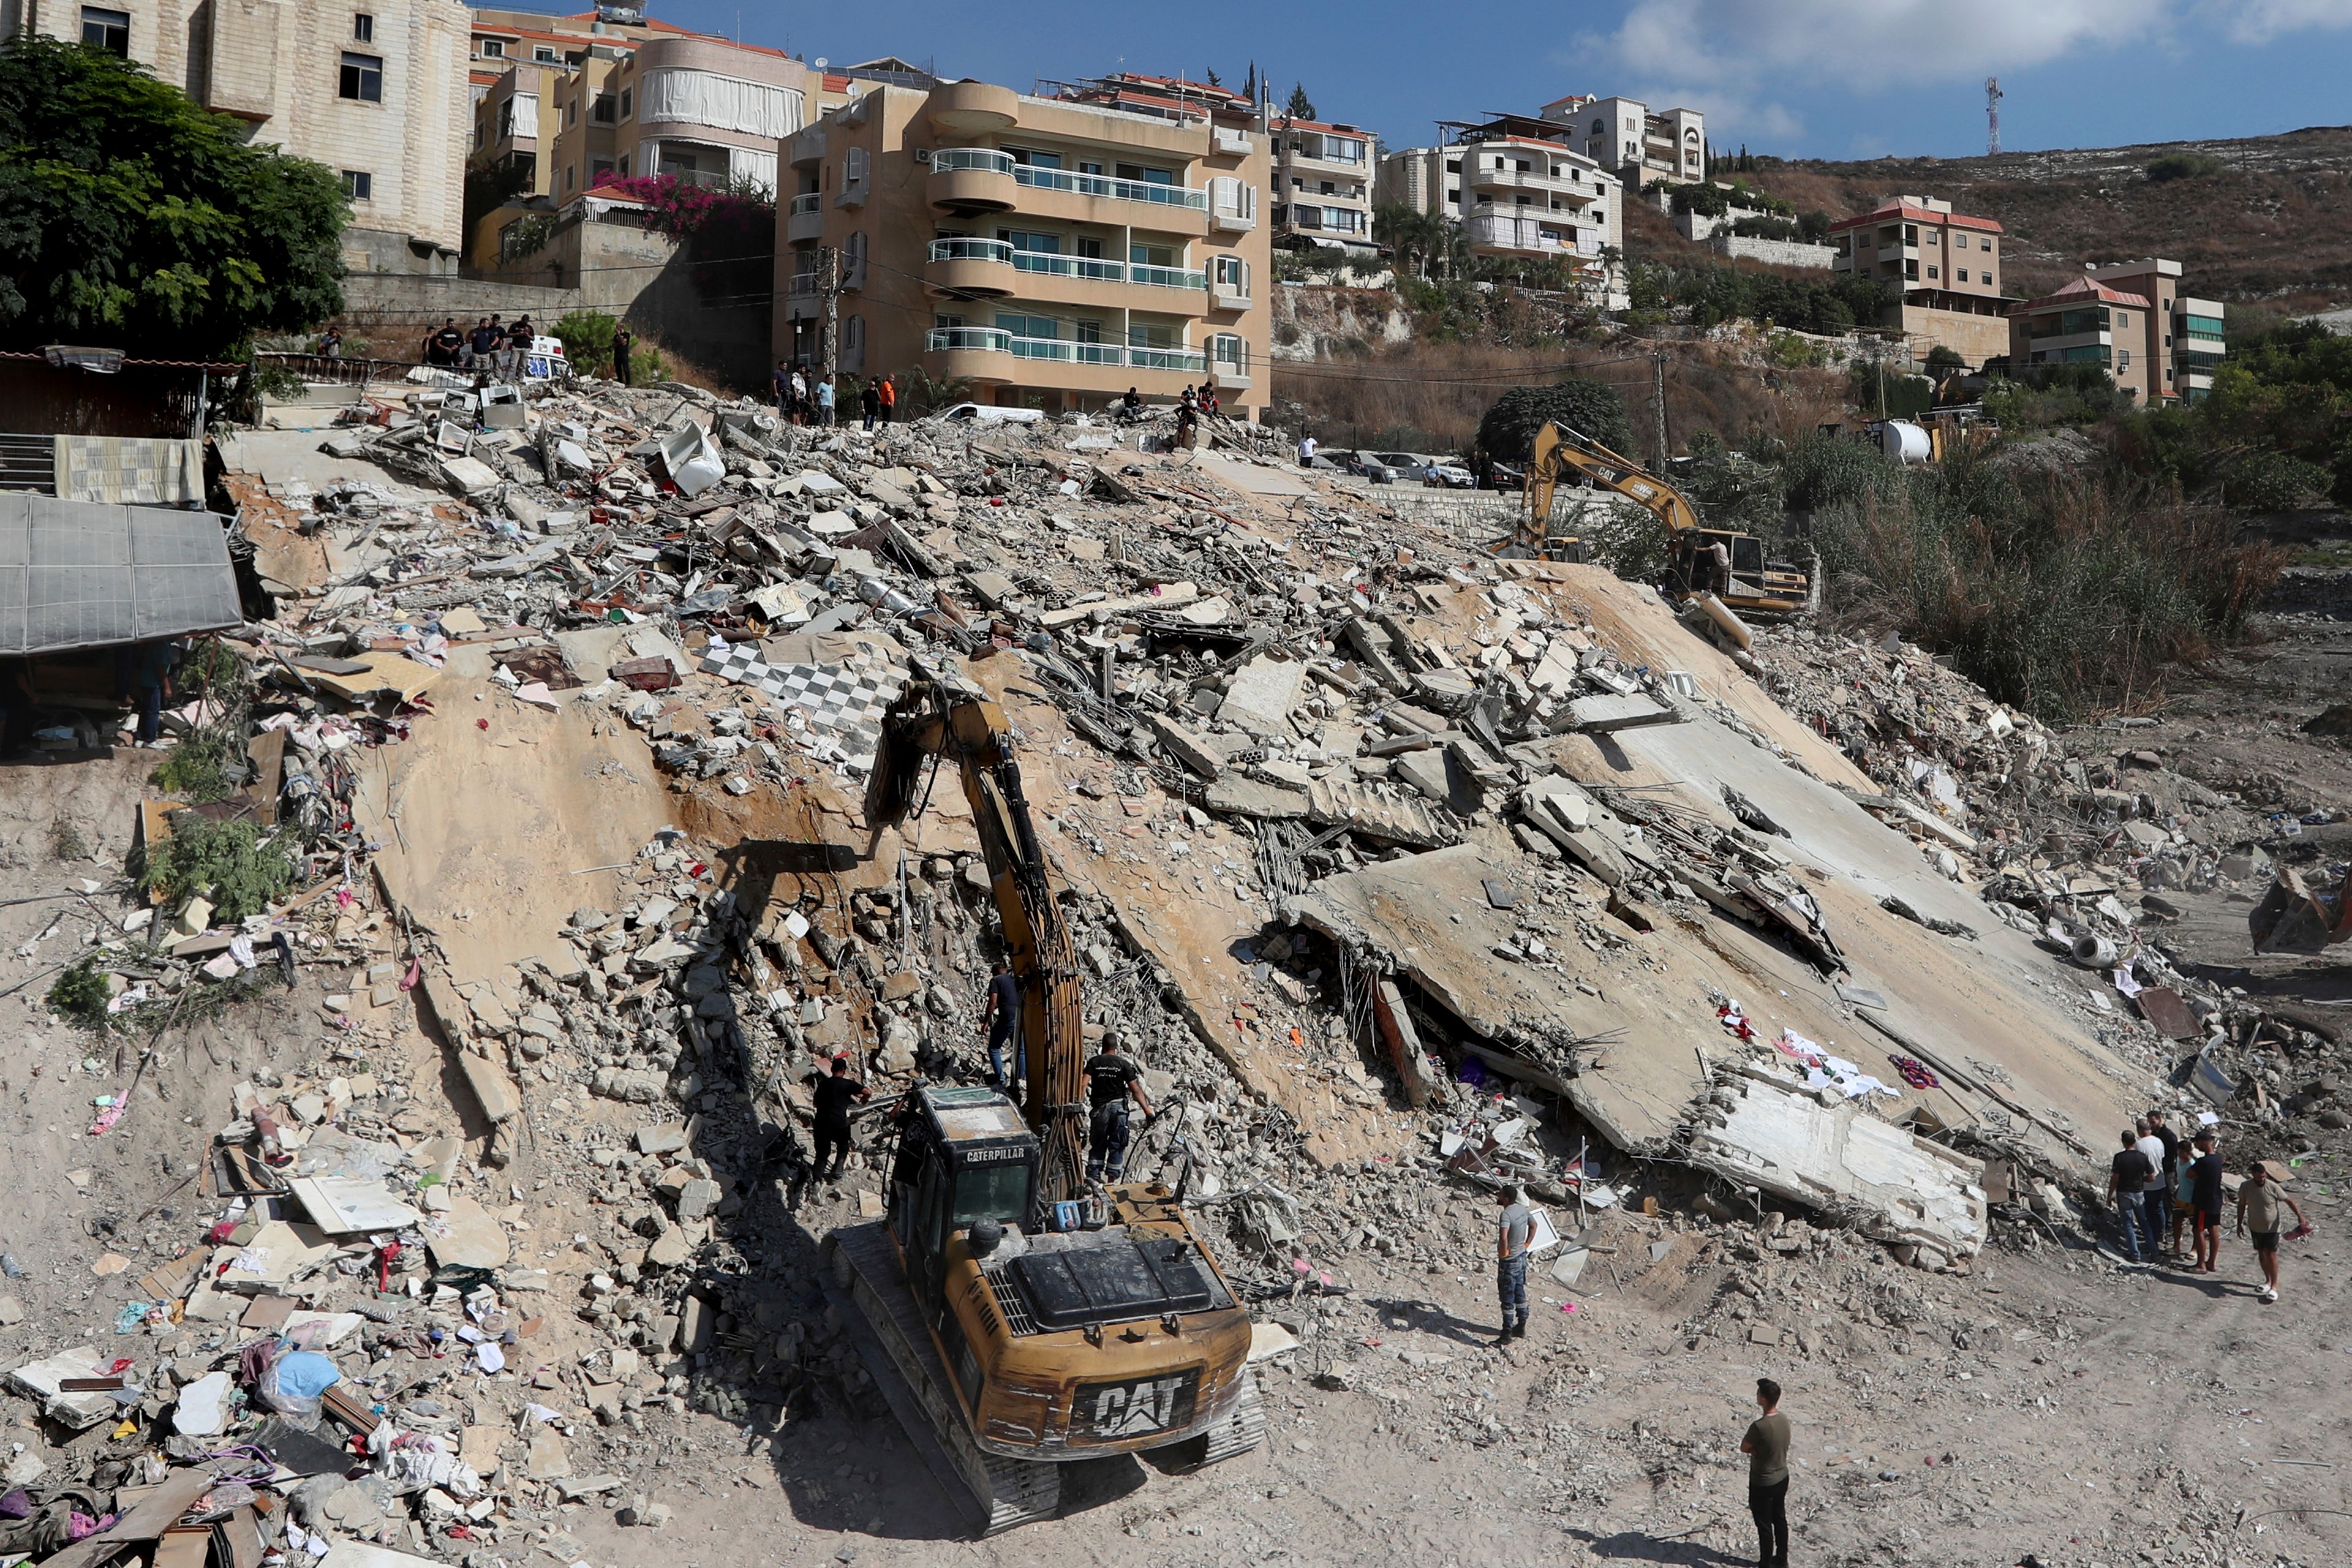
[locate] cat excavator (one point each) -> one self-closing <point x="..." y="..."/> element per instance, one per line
<point x="1701" y="560"/>
<point x="1018" y="1315"/>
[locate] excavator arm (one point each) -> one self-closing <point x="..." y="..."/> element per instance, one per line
<point x="1561" y="450"/>
<point x="936" y="719"/>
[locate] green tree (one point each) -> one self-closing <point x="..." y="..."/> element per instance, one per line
<point x="1301" y="106"/>
<point x="1592" y="408"/>
<point x="1943" y="356"/>
<point x="131" y="216"/>
<point x="490" y="185"/>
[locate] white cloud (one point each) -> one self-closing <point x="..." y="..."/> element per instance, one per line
<point x="2259" y="21"/>
<point x="1745" y="63"/>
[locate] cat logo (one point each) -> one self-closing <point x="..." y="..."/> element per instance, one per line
<point x="1138" y="1409"/>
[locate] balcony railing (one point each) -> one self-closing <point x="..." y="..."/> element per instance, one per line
<point x="992" y="340"/>
<point x="965" y="249"/>
<point x="1053" y="264"/>
<point x="1117" y="190"/>
<point x="807" y="202"/>
<point x="988" y="158"/>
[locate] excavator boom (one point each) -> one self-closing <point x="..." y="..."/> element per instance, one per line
<point x="936" y="719"/>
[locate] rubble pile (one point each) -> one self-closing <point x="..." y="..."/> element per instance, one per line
<point x="445" y="1326"/>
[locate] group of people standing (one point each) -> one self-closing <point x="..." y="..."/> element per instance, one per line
<point x="491" y="346"/>
<point x="2162" y="1184"/>
<point x="805" y="397"/>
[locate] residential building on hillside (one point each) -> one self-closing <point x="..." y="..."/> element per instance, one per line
<point x="376" y="90"/>
<point x="507" y="126"/>
<point x="1052" y="252"/>
<point x="1322" y="191"/>
<point x="1639" y="147"/>
<point x="2158" y="343"/>
<point x="1941" y="270"/>
<point x="1520" y="192"/>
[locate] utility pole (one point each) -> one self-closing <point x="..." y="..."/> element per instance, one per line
<point x="1992" y="116"/>
<point x="1658" y="363"/>
<point x="828" y="281"/>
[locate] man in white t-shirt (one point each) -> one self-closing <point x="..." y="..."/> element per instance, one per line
<point x="1306" y="451"/>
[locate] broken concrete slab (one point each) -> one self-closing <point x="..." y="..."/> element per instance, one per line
<point x="1262" y="695"/>
<point x="1605" y="715"/>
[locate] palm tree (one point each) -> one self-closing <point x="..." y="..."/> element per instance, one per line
<point x="1400" y="229"/>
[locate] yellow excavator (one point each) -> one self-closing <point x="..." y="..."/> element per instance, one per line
<point x="1018" y="1315"/>
<point x="1701" y="560"/>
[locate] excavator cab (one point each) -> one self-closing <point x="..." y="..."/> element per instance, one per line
<point x="964" y="1155"/>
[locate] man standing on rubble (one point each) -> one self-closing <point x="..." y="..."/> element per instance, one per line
<point x="1112" y="1079"/>
<point x="781" y="380"/>
<point x="835" y="1095"/>
<point x="2259" y="1197"/>
<point x="1512" y="1234"/>
<point x="624" y="346"/>
<point x="825" y="400"/>
<point x="1767" y="1448"/>
<point x="2127" y="1176"/>
<point x="870" y="401"/>
<point x="889" y="399"/>
<point x="2154" y="1194"/>
<point x="1002" y="1017"/>
<point x="2160" y="1198"/>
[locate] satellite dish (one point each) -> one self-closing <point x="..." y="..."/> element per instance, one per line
<point x="821" y="62"/>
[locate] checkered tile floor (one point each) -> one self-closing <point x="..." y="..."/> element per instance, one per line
<point x="844" y="700"/>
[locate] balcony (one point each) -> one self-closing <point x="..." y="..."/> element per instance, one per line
<point x="1144" y="191"/>
<point x="1228" y="376"/>
<point x="973" y="179"/>
<point x="805" y="220"/>
<point x="1168" y="278"/>
<point x="964" y="268"/>
<point x="1226" y="222"/>
<point x="1225" y="297"/>
<point x="1225" y="142"/>
<point x="804" y="300"/>
<point x="1053" y="264"/>
<point x="973" y="108"/>
<point x="1061" y="350"/>
<point x="807" y="148"/>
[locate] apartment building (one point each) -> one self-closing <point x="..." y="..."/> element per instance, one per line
<point x="507" y="126"/>
<point x="1052" y="252"/>
<point x="1322" y="191"/>
<point x="1519" y="191"/>
<point x="376" y="90"/>
<point x="2132" y="317"/>
<point x="1941" y="270"/>
<point x="1641" y="149"/>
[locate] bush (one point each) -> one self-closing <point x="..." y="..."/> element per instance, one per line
<point x="1765" y="228"/>
<point x="1592" y="408"/>
<point x="231" y="863"/>
<point x="2273" y="481"/>
<point x="1943" y="356"/>
<point x="2183" y="166"/>
<point x="1814" y="228"/>
<point x="1823" y="470"/>
<point x="587" y="337"/>
<point x="80" y="995"/>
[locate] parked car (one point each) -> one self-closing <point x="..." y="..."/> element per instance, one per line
<point x="1411" y="469"/>
<point x="1504" y="476"/>
<point x="1449" y="476"/>
<point x="989" y="413"/>
<point x="1365" y="464"/>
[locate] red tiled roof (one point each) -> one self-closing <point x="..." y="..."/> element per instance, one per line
<point x="1289" y="125"/>
<point x="1904" y="212"/>
<point x="2083" y="291"/>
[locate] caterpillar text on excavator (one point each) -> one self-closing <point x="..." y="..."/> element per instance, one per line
<point x="1020" y="1315"/>
<point x="1701" y="560"/>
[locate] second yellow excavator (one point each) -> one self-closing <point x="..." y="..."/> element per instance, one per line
<point x="1701" y="560"/>
<point x="1018" y="1314"/>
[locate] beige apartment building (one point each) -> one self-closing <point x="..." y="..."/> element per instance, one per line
<point x="1941" y="271"/>
<point x="508" y="106"/>
<point x="1052" y="252"/>
<point x="1641" y="148"/>
<point x="1322" y="190"/>
<point x="376" y="90"/>
<point x="1520" y="192"/>
<point x="2131" y="318"/>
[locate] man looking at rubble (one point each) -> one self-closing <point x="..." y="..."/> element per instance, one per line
<point x="1112" y="1079"/>
<point x="2205" y="1201"/>
<point x="623" y="345"/>
<point x="1767" y="1448"/>
<point x="2154" y="1194"/>
<point x="2160" y="1198"/>
<point x="835" y="1095"/>
<point x="2127" y="1181"/>
<point x="2258" y="1208"/>
<point x="1003" y="1016"/>
<point x="1512" y="1235"/>
<point x="825" y="400"/>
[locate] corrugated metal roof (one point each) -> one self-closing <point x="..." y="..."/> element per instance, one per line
<point x="76" y="575"/>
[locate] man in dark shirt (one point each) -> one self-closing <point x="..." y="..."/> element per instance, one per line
<point x="1767" y="1448"/>
<point x="447" y="343"/>
<point x="2205" y="1201"/>
<point x="623" y="347"/>
<point x="834" y="1096"/>
<point x="2160" y="1198"/>
<point x="2127" y="1176"/>
<point x="1112" y="1079"/>
<point x="1003" y="1020"/>
<point x="482" y="342"/>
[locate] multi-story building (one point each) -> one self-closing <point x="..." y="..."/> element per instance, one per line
<point x="376" y="90"/>
<point x="1519" y="191"/>
<point x="1322" y="192"/>
<point x="1639" y="147"/>
<point x="1940" y="271"/>
<point x="508" y="105"/>
<point x="1052" y="252"/>
<point x="2130" y="317"/>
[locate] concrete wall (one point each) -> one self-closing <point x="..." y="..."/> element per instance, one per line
<point x="1974" y="338"/>
<point x="1778" y="252"/>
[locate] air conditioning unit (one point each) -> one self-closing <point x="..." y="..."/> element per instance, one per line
<point x="923" y="156"/>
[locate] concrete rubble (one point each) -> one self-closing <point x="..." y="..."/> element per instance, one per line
<point x="1401" y="870"/>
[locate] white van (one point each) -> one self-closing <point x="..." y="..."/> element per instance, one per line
<point x="989" y="413"/>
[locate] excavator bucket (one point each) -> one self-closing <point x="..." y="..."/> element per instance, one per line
<point x="899" y="759"/>
<point x="2293" y="918"/>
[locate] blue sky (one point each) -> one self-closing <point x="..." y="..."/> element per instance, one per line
<point x="1831" y="78"/>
